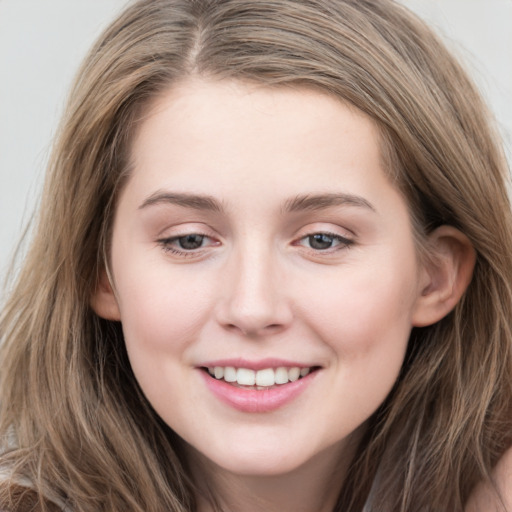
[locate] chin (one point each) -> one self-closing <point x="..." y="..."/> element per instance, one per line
<point x="249" y="458"/>
<point x="257" y="459"/>
<point x="261" y="465"/>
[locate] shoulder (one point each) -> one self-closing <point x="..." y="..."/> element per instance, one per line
<point x="483" y="499"/>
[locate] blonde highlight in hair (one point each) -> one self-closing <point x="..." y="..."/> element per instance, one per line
<point x="74" y="422"/>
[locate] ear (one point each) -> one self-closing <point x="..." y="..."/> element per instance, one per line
<point x="447" y="275"/>
<point x="103" y="299"/>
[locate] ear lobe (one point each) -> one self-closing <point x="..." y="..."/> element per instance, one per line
<point x="103" y="299"/>
<point x="448" y="274"/>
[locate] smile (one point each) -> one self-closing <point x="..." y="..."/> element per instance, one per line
<point x="261" y="379"/>
<point x="262" y="389"/>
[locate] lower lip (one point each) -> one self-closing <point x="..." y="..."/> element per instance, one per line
<point x="257" y="401"/>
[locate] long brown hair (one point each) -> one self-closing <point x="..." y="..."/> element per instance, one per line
<point x="73" y="420"/>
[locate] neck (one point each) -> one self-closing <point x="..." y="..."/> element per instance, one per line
<point x="312" y="487"/>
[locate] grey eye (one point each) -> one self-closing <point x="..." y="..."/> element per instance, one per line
<point x="321" y="241"/>
<point x="190" y="242"/>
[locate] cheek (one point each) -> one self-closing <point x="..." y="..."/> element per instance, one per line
<point x="366" y="325"/>
<point x="361" y="305"/>
<point x="162" y="316"/>
<point x="365" y="314"/>
<point x="162" y="311"/>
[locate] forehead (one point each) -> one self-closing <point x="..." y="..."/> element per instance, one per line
<point x="229" y="120"/>
<point x="230" y="139"/>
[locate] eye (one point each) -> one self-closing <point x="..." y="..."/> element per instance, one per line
<point x="324" y="241"/>
<point x="190" y="242"/>
<point x="186" y="244"/>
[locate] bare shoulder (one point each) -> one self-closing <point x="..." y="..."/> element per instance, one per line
<point x="483" y="499"/>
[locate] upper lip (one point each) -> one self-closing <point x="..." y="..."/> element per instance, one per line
<point x="259" y="364"/>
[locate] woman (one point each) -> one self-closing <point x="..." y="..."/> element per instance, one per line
<point x="271" y="272"/>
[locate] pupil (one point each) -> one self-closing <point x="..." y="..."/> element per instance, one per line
<point x="191" y="241"/>
<point x="320" y="241"/>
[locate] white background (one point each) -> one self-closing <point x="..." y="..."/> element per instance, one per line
<point x="43" y="41"/>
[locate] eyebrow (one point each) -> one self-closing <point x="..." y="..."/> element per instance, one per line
<point x="195" y="201"/>
<point x="315" y="202"/>
<point x="306" y="202"/>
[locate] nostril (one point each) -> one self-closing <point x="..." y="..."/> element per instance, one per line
<point x="254" y="330"/>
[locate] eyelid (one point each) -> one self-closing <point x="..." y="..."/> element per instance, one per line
<point x="344" y="241"/>
<point x="184" y="228"/>
<point x="169" y="242"/>
<point x="328" y="228"/>
<point x="167" y="246"/>
<point x="173" y="238"/>
<point x="345" y="237"/>
<point x="173" y="234"/>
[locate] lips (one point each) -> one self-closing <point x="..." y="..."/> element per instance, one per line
<point x="257" y="387"/>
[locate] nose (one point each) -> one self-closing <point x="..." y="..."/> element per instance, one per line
<point x="254" y="301"/>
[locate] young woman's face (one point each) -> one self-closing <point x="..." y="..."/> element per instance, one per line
<point x="259" y="240"/>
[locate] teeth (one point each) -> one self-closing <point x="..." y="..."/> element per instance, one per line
<point x="265" y="377"/>
<point x="261" y="379"/>
<point x="281" y="376"/>
<point x="230" y="374"/>
<point x="293" y="374"/>
<point x="245" y="377"/>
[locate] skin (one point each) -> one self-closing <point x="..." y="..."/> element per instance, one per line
<point x="257" y="287"/>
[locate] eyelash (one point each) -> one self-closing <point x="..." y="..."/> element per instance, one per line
<point x="168" y="243"/>
<point x="344" y="243"/>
